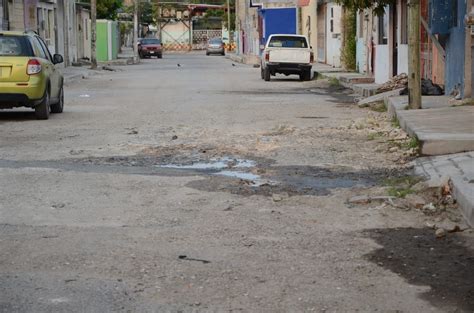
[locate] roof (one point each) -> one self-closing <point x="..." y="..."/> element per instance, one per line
<point x="11" y="33"/>
<point x="292" y="35"/>
<point x="16" y="33"/>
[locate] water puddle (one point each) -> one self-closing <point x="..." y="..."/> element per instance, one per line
<point x="253" y="179"/>
<point x="235" y="174"/>
<point x="213" y="164"/>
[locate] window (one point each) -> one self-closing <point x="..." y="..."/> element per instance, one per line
<point x="404" y="23"/>
<point x="152" y="41"/>
<point x="45" y="49"/>
<point x="288" y="42"/>
<point x="14" y="46"/>
<point x="383" y="27"/>
<point x="39" y="52"/>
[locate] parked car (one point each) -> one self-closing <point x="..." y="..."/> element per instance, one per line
<point x="28" y="74"/>
<point x="148" y="47"/>
<point x="215" y="46"/>
<point x="287" y="54"/>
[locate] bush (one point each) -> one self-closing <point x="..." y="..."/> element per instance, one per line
<point x="349" y="49"/>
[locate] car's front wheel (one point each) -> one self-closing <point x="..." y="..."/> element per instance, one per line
<point x="59" y="106"/>
<point x="42" y="109"/>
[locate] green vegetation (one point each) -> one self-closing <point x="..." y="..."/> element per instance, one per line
<point x="374" y="136"/>
<point x="349" y="49"/>
<point x="333" y="81"/>
<point x="378" y="107"/>
<point x="413" y="143"/>
<point x="377" y="5"/>
<point x="108" y="9"/>
<point x="395" y="122"/>
<point x="402" y="186"/>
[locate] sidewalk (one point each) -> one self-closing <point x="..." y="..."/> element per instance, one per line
<point x="361" y="84"/>
<point x="445" y="133"/>
<point x="245" y="59"/>
<point x="439" y="127"/>
<point x="460" y="169"/>
<point x="73" y="73"/>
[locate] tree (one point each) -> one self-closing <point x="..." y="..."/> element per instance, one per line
<point x="414" y="77"/>
<point x="377" y="5"/>
<point x="146" y="13"/>
<point x="107" y="9"/>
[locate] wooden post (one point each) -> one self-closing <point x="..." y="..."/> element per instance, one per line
<point x="414" y="68"/>
<point x="93" y="34"/>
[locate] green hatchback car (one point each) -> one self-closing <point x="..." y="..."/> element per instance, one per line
<point x="28" y="74"/>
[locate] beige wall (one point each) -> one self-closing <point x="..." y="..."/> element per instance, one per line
<point x="308" y="23"/>
<point x="16" y="15"/>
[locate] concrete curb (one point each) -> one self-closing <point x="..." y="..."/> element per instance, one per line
<point x="459" y="168"/>
<point x="433" y="126"/>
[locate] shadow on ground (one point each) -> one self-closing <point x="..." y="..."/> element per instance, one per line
<point x="446" y="265"/>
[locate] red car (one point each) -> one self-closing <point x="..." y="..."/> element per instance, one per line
<point x="148" y="47"/>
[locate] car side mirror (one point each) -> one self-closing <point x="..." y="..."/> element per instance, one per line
<point x="262" y="47"/>
<point x="57" y="58"/>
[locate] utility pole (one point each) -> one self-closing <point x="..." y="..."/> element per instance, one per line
<point x="93" y="34"/>
<point x="414" y="68"/>
<point x="135" y="32"/>
<point x="228" y="20"/>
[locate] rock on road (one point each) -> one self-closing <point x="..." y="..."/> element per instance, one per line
<point x="202" y="188"/>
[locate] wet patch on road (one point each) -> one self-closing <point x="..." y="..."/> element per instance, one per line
<point x="223" y="171"/>
<point x="446" y="265"/>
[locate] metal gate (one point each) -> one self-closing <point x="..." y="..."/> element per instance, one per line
<point x="201" y="37"/>
<point x="175" y="35"/>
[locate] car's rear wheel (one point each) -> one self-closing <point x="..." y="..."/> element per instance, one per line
<point x="266" y="74"/>
<point x="160" y="56"/>
<point x="207" y="53"/>
<point x="42" y="109"/>
<point x="59" y="106"/>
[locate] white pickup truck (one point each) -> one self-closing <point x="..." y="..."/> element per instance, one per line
<point x="287" y="54"/>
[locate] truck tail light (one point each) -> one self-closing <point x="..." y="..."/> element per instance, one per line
<point x="267" y="56"/>
<point x="33" y="67"/>
<point x="311" y="58"/>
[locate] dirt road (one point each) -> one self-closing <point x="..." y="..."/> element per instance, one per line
<point x="202" y="188"/>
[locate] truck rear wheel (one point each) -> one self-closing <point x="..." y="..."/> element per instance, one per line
<point x="305" y="75"/>
<point x="266" y="74"/>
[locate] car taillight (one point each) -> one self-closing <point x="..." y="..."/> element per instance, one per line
<point x="33" y="67"/>
<point x="267" y="56"/>
<point x="311" y="58"/>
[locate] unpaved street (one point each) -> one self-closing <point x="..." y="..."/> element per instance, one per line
<point x="202" y="188"/>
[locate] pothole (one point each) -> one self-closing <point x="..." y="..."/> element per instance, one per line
<point x="221" y="171"/>
<point x="245" y="175"/>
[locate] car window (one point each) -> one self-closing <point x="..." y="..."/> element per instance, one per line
<point x="150" y="42"/>
<point x="288" y="42"/>
<point x="45" y="49"/>
<point x="14" y="46"/>
<point x="38" y="50"/>
<point x="215" y="41"/>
